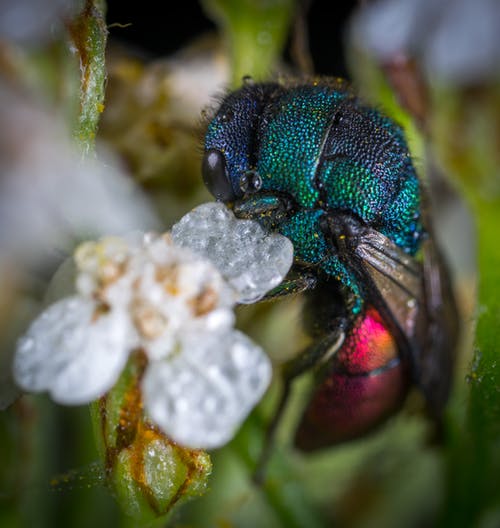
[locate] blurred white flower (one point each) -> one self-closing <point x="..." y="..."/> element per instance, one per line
<point x="203" y="376"/>
<point x="49" y="199"/>
<point x="49" y="196"/>
<point x="456" y="40"/>
<point x="34" y="22"/>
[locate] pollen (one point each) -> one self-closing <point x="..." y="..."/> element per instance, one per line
<point x="168" y="277"/>
<point x="204" y="302"/>
<point x="148" y="320"/>
<point x="110" y="272"/>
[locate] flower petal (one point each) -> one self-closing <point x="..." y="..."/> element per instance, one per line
<point x="252" y="260"/>
<point x="200" y="396"/>
<point x="73" y="356"/>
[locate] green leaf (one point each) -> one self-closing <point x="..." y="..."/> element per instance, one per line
<point x="466" y="136"/>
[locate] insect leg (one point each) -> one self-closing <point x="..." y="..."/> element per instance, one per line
<point x="317" y="353"/>
<point x="291" y="286"/>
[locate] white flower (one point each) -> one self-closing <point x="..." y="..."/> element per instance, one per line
<point x="87" y="353"/>
<point x="205" y="393"/>
<point x="203" y="376"/>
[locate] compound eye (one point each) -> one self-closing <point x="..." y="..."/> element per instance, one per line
<point x="215" y="177"/>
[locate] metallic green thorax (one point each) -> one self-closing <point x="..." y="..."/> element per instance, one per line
<point x="321" y="150"/>
<point x="291" y="141"/>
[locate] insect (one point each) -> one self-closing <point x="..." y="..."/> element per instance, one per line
<point x="312" y="161"/>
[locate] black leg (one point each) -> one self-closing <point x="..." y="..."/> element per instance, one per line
<point x="315" y="354"/>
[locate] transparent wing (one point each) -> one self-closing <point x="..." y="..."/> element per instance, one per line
<point x="440" y="332"/>
<point x="415" y="298"/>
<point x="394" y="279"/>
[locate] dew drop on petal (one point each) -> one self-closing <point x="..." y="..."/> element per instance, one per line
<point x="69" y="354"/>
<point x="201" y="396"/>
<point x="252" y="260"/>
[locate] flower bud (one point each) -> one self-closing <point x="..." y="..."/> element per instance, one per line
<point x="147" y="472"/>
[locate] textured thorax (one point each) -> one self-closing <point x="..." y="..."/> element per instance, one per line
<point x="292" y="134"/>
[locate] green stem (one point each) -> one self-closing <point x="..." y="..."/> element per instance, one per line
<point x="255" y="32"/>
<point x="89" y="35"/>
<point x="282" y="489"/>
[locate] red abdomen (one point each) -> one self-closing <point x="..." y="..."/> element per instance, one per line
<point x="365" y="384"/>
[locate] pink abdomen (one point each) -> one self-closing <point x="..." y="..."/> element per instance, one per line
<point x="365" y="384"/>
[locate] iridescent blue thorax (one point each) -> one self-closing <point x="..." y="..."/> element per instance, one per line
<point x="290" y="155"/>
